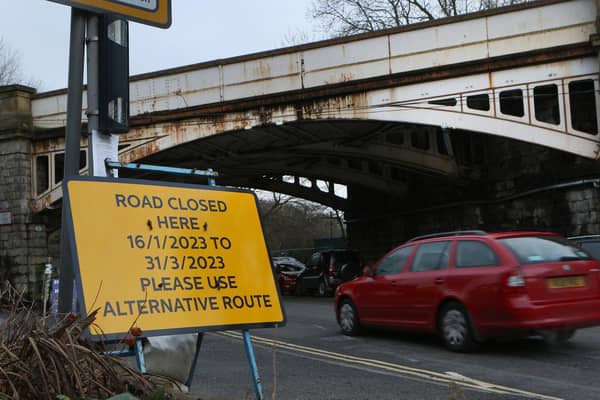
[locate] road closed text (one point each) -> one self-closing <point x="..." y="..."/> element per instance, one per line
<point x="172" y="203"/>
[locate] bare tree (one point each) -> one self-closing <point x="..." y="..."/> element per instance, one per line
<point x="298" y="36"/>
<point x="294" y="224"/>
<point x="348" y="17"/>
<point x="277" y="202"/>
<point x="10" y="68"/>
<point x="9" y="64"/>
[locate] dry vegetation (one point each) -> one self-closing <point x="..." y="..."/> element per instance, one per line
<point x="49" y="358"/>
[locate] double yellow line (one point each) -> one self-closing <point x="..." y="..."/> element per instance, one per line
<point x="444" y="378"/>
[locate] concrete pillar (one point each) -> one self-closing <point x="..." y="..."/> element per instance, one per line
<point x="23" y="239"/>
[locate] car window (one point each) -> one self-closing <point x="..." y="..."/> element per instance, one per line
<point x="472" y="253"/>
<point x="286" y="260"/>
<point x="314" y="259"/>
<point x="537" y="249"/>
<point x="394" y="262"/>
<point x="593" y="248"/>
<point x="431" y="256"/>
<point x="290" y="268"/>
<point x="346" y="257"/>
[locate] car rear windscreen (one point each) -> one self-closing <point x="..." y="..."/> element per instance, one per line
<point x="539" y="249"/>
<point x="345" y="258"/>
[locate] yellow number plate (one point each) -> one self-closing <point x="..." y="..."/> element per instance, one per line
<point x="566" y="282"/>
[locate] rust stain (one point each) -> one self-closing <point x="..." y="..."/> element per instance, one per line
<point x="293" y="67"/>
<point x="358" y="103"/>
<point x="346" y="77"/>
<point x="42" y="147"/>
<point x="140" y="152"/>
<point x="262" y="70"/>
<point x="180" y="133"/>
<point x="219" y="122"/>
<point x="41" y="204"/>
<point x="48" y="145"/>
<point x="348" y="106"/>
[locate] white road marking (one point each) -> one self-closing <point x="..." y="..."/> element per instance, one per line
<point x="448" y="377"/>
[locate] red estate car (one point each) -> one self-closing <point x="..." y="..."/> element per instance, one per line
<point x="471" y="285"/>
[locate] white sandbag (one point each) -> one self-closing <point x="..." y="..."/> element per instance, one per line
<point x="170" y="356"/>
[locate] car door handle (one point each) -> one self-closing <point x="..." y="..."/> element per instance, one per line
<point x="439" y="281"/>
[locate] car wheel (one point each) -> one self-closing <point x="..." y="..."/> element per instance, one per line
<point x="455" y="328"/>
<point x="348" y="318"/>
<point x="322" y="289"/>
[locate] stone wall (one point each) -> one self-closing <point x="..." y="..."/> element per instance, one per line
<point x="519" y="186"/>
<point x="540" y="188"/>
<point x="23" y="239"/>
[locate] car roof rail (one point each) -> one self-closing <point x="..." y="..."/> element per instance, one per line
<point x="444" y="234"/>
<point x="584" y="237"/>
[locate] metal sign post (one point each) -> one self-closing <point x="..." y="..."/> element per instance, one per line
<point x="72" y="146"/>
<point x="102" y="143"/>
<point x="252" y="362"/>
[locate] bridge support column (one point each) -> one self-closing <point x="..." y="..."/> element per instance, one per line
<point x="23" y="239"/>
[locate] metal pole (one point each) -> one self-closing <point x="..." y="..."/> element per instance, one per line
<point x="92" y="88"/>
<point x="252" y="361"/>
<point x="190" y="377"/>
<point x="139" y="356"/>
<point x="72" y="148"/>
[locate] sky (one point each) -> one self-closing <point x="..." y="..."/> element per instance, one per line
<point x="201" y="30"/>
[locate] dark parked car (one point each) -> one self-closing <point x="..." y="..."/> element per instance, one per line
<point x="326" y="269"/>
<point x="287" y="270"/>
<point x="470" y="286"/>
<point x="590" y="243"/>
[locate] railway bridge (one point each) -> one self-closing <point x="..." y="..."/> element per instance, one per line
<point x="486" y="120"/>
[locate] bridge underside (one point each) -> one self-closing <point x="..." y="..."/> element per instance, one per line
<point x="315" y="159"/>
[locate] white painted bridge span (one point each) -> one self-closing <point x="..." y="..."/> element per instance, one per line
<point x="357" y="110"/>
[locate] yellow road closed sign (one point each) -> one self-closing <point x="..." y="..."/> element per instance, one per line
<point x="169" y="258"/>
<point x="149" y="12"/>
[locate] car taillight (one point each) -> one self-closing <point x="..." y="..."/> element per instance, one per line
<point x="515" y="281"/>
<point x="330" y="269"/>
<point x="515" y="284"/>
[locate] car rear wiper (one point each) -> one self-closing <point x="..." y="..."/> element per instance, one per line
<point x="570" y="258"/>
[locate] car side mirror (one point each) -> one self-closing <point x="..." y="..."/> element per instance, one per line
<point x="367" y="271"/>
